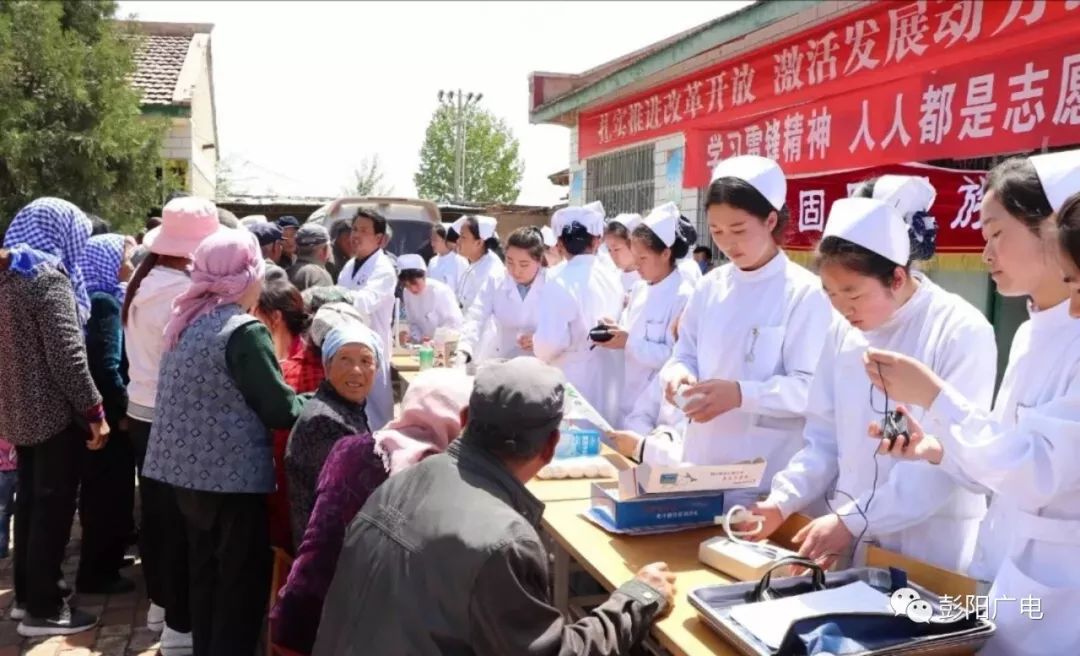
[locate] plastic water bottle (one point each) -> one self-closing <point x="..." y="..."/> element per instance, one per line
<point x="427" y="357"/>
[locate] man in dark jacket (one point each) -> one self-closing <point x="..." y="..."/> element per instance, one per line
<point x="445" y="558"/>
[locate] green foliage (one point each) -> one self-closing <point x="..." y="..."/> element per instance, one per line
<point x="493" y="169"/>
<point x="70" y="124"/>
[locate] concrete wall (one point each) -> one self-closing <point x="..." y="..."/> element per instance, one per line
<point x="203" y="160"/>
<point x="178" y="140"/>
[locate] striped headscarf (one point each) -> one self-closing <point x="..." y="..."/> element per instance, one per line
<point x="56" y="227"/>
<point x="101" y="265"/>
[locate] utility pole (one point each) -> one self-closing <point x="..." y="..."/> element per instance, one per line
<point x="459" y="101"/>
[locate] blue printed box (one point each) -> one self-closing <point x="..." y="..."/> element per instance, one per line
<point x="655" y="511"/>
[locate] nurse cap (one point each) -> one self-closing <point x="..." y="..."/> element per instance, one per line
<point x="456" y="225"/>
<point x="485" y="225"/>
<point x="549" y="236"/>
<point x="761" y="173"/>
<point x="872" y="224"/>
<point x="907" y="193"/>
<point x="591" y="216"/>
<point x="1059" y="175"/>
<point x="410" y="262"/>
<point x="630" y="221"/>
<point x="664" y="222"/>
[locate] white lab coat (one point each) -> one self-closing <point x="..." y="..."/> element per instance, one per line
<point x="629" y="281"/>
<point x="433" y="308"/>
<point x="373" y="289"/>
<point x="648" y="321"/>
<point x="570" y="305"/>
<point x="1027" y="452"/>
<point x="447" y="269"/>
<point x="500" y="307"/>
<point x="690" y="270"/>
<point x="488" y="268"/>
<point x="763" y="329"/>
<point x="660" y="423"/>
<point x="917" y="508"/>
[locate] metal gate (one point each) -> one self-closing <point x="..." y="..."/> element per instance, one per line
<point x="622" y="181"/>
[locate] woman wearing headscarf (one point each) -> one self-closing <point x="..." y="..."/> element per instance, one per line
<point x="211" y="441"/>
<point x="159" y="280"/>
<point x="49" y="407"/>
<point x="430" y="419"/>
<point x="107" y="498"/>
<point x="352" y="356"/>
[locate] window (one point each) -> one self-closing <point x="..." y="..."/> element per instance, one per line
<point x="622" y="181"/>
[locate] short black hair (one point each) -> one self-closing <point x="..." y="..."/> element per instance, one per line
<point x="703" y="250"/>
<point x="740" y="194"/>
<point x="1016" y="186"/>
<point x="529" y="239"/>
<point x="576" y="238"/>
<point x="409" y="275"/>
<point x="281" y="295"/>
<point x="1069" y="228"/>
<point x="378" y="221"/>
<point x="440" y="230"/>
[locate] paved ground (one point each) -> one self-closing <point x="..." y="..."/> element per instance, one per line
<point x="120" y="632"/>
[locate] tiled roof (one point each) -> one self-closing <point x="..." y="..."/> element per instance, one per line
<point x="158" y="62"/>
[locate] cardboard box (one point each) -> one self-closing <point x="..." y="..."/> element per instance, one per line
<point x="654" y="512"/>
<point x="648" y="479"/>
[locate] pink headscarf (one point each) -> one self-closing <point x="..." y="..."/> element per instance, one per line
<point x="226" y="264"/>
<point x="430" y="419"/>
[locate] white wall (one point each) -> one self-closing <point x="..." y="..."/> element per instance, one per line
<point x="178" y="140"/>
<point x="203" y="161"/>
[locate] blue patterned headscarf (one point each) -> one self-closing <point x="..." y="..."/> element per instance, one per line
<point x="101" y="265"/>
<point x="58" y="228"/>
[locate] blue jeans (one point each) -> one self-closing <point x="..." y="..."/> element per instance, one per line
<point x="8" y="482"/>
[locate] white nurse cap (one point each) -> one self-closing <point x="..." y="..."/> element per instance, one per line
<point x="631" y="221"/>
<point x="872" y="224"/>
<point x="907" y="193"/>
<point x="411" y="261"/>
<point x="761" y="173"/>
<point x="591" y="216"/>
<point x="664" y="222"/>
<point x="486" y="226"/>
<point x="1059" y="174"/>
<point x="549" y="236"/>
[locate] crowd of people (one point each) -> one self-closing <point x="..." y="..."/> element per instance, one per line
<point x="240" y="372"/>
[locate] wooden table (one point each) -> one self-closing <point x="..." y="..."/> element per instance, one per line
<point x="573" y="489"/>
<point x="405" y="362"/>
<point x="612" y="560"/>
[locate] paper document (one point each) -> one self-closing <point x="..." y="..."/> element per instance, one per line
<point x="770" y="620"/>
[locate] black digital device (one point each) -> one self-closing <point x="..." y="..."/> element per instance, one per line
<point x="601" y="334"/>
<point x="895" y="425"/>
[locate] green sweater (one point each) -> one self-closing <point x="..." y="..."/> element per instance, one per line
<point x="255" y="369"/>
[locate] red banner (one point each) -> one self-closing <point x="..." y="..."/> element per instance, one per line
<point x="976" y="108"/>
<point x="1007" y="57"/>
<point x="956" y="208"/>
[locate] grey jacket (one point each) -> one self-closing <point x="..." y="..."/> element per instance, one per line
<point x="445" y="558"/>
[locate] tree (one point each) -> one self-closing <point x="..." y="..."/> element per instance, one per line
<point x="492" y="167"/>
<point x="368" y="180"/>
<point x="70" y="124"/>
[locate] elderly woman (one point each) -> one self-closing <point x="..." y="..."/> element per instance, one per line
<point x="351" y="354"/>
<point x="211" y="440"/>
<point x="430" y="419"/>
<point x="49" y="406"/>
<point x="107" y="499"/>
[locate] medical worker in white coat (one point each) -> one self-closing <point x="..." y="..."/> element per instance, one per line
<point x="553" y="256"/>
<point x="751" y="334"/>
<point x="1027" y="450"/>
<point x="686" y="265"/>
<point x="429" y="304"/>
<point x="446" y="266"/>
<point x="478" y="243"/>
<point x="646" y="338"/>
<point x="371" y="277"/>
<point x="617" y="240"/>
<point x="864" y="260"/>
<point x="574" y="302"/>
<point x="510" y="306"/>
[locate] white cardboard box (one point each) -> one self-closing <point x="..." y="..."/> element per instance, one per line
<point x="648" y="479"/>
